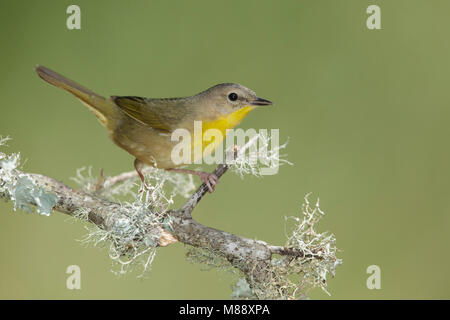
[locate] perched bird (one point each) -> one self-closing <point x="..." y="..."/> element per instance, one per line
<point x="143" y="126"/>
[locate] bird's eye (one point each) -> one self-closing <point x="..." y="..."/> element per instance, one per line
<point x="232" y="96"/>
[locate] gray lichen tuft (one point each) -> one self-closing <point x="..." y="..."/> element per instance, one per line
<point x="294" y="277"/>
<point x="133" y="239"/>
<point x="260" y="156"/>
<point x="131" y="242"/>
<point x="287" y="277"/>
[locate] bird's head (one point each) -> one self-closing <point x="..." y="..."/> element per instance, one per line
<point x="227" y="98"/>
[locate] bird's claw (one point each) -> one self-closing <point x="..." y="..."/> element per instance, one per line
<point x="209" y="179"/>
<point x="143" y="187"/>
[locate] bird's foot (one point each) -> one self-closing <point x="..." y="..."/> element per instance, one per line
<point x="100" y="182"/>
<point x="210" y="179"/>
<point x="143" y="187"/>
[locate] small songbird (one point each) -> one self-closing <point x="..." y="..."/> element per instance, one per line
<point x="143" y="126"/>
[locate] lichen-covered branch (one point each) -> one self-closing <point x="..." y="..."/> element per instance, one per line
<point x="136" y="229"/>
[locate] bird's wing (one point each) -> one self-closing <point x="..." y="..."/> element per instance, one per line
<point x="160" y="114"/>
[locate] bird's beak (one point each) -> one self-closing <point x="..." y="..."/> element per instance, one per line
<point x="260" y="102"/>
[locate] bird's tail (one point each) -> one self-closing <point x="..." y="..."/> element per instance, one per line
<point x="100" y="106"/>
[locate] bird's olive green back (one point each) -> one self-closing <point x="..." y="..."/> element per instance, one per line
<point x="161" y="114"/>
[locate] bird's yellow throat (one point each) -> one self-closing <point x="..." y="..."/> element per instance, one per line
<point x="229" y="121"/>
<point x="209" y="140"/>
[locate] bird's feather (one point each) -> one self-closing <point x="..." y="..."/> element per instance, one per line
<point x="160" y="115"/>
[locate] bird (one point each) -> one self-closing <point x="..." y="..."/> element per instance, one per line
<point x="143" y="126"/>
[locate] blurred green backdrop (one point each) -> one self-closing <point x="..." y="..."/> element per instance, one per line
<point x="366" y="113"/>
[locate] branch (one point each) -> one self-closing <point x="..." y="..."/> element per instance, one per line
<point x="250" y="256"/>
<point x="253" y="258"/>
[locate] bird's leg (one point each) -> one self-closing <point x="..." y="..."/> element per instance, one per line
<point x="100" y="182"/>
<point x="138" y="165"/>
<point x="210" y="179"/>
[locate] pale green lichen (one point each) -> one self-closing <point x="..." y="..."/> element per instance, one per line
<point x="134" y="237"/>
<point x="20" y="188"/>
<point x="319" y="248"/>
<point x="26" y="193"/>
<point x="287" y="277"/>
<point x="293" y="278"/>
<point x="241" y="290"/>
<point x="168" y="183"/>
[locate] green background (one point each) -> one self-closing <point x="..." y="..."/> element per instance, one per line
<point x="366" y="112"/>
